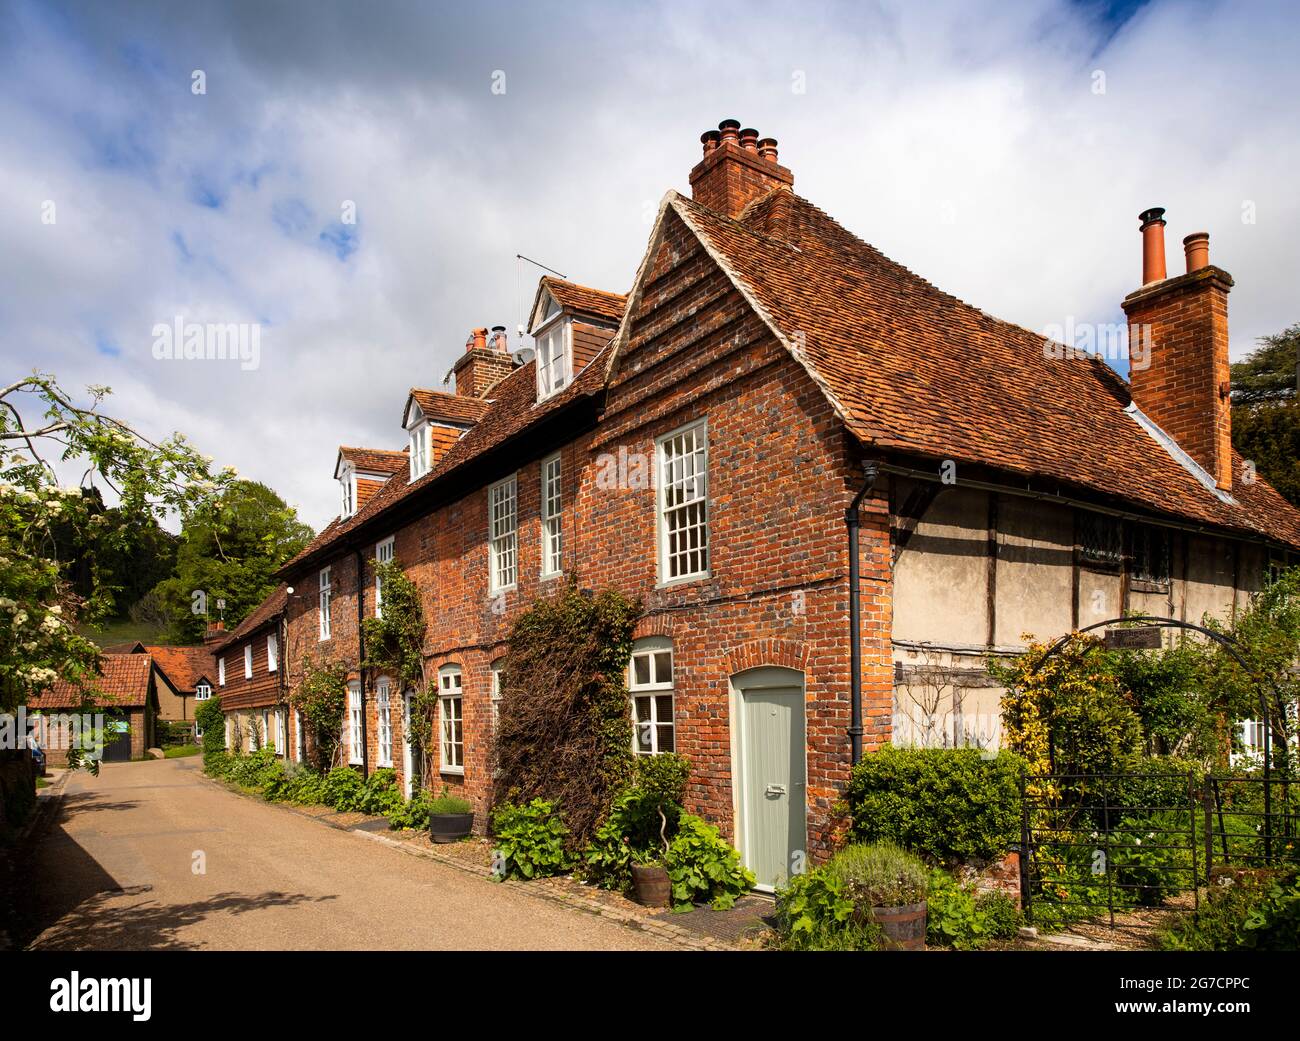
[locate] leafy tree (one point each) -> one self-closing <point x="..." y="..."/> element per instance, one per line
<point x="45" y="523"/>
<point x="1268" y="373"/>
<point x="1266" y="412"/>
<point x="1269" y="436"/>
<point x="229" y="550"/>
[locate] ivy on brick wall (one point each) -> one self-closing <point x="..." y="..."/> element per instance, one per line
<point x="564" y="732"/>
<point x="394" y="642"/>
<point x="321" y="696"/>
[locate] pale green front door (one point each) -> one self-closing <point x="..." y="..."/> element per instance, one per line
<point x="772" y="774"/>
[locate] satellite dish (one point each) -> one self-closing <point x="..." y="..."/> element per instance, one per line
<point x="523" y="355"/>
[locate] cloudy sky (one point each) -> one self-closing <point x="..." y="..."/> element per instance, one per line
<point x="1002" y="150"/>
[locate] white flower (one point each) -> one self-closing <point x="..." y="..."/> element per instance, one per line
<point x="20" y="618"/>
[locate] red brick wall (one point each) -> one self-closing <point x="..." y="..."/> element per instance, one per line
<point x="262" y="689"/>
<point x="780" y="476"/>
<point x="1180" y="388"/>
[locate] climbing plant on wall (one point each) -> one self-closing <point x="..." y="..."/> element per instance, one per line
<point x="564" y="732"/>
<point x="321" y="696"/>
<point x="394" y="642"/>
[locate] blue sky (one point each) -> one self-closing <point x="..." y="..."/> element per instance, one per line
<point x="351" y="179"/>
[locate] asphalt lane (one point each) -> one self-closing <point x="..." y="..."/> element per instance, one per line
<point x="150" y="856"/>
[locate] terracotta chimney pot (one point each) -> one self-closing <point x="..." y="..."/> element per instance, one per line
<point x="1153" y="245"/>
<point x="478" y="339"/>
<point x="737" y="168"/>
<point x="1197" y="247"/>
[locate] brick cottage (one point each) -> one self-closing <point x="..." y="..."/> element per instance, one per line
<point x="770" y="388"/>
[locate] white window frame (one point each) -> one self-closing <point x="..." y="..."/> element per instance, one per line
<point x="384" y="720"/>
<point x="654" y="686"/>
<point x="282" y="731"/>
<point x="354" y="724"/>
<point x="451" y="711"/>
<point x="202" y="691"/>
<point x="419" y="454"/>
<point x="554" y="370"/>
<point x="300" y="745"/>
<point x="348" y="480"/>
<point x="503" y="534"/>
<point x="272" y="652"/>
<point x="248" y="661"/>
<point x="221" y="671"/>
<point x="383" y="555"/>
<point x="670" y="483"/>
<point x="552" y="512"/>
<point x="326" y="597"/>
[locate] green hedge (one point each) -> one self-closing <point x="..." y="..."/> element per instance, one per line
<point x="952" y="806"/>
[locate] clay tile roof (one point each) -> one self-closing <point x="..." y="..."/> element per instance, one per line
<point x="262" y="615"/>
<point x="123" y="683"/>
<point x="461" y="409"/>
<point x="375" y="460"/>
<point x="512" y="409"/>
<point x="913" y="369"/>
<point x="184" y="667"/>
<point x="585" y="300"/>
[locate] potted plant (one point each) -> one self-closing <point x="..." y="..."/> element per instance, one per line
<point x="451" y="818"/>
<point x="650" y="883"/>
<point x="888" y="887"/>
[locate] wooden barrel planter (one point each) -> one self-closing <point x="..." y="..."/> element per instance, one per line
<point x="450" y="827"/>
<point x="903" y="926"/>
<point x="651" y="885"/>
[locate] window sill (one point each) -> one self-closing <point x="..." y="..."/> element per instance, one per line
<point x="494" y="593"/>
<point x="355" y="762"/>
<point x="454" y="771"/>
<point x="668" y="583"/>
<point x="551" y="576"/>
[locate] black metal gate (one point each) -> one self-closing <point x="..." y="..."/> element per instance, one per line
<point x="117" y="740"/>
<point x="1096" y="846"/>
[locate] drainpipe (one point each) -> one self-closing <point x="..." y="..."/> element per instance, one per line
<point x="851" y="521"/>
<point x="361" y="673"/>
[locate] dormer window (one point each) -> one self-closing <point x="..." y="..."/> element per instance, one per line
<point x="554" y="354"/>
<point x="348" y="484"/>
<point x="419" y="450"/>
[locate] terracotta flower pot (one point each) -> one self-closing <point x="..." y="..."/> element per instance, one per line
<point x="651" y="885"/>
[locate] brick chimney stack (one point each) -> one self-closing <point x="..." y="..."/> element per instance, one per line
<point x="737" y="168"/>
<point x="1183" y="383"/>
<point x="216" y="632"/>
<point x="485" y="363"/>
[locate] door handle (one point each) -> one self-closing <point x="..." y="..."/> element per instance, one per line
<point x="776" y="789"/>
